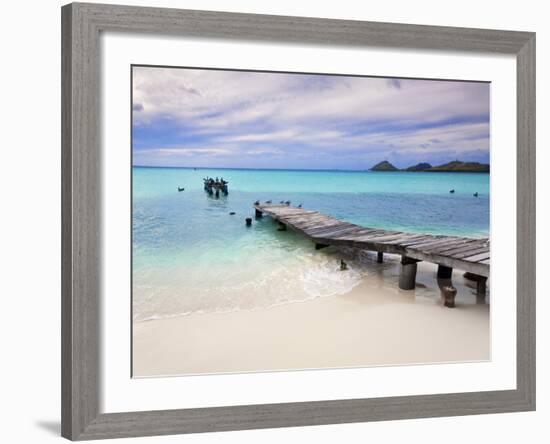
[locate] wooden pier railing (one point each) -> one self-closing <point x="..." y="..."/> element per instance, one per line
<point x="448" y="252"/>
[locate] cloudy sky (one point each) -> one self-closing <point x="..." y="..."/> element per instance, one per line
<point x="208" y="118"/>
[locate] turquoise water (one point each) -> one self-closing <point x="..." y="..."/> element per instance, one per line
<point x="190" y="255"/>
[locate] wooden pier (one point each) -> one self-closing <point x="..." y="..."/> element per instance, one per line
<point x="448" y="252"/>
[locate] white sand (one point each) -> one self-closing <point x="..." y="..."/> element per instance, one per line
<point x="374" y="324"/>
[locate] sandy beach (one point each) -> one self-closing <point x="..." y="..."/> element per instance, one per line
<point x="373" y="324"/>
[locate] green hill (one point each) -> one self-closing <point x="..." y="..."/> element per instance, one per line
<point x="423" y="166"/>
<point x="461" y="167"/>
<point x="384" y="166"/>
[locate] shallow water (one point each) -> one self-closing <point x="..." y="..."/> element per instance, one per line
<point x="190" y="255"/>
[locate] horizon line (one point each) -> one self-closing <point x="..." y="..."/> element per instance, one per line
<point x="245" y="168"/>
<point x="279" y="169"/>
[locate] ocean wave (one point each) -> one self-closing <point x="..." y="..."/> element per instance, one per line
<point x="298" y="279"/>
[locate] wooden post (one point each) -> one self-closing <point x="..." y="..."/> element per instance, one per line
<point x="449" y="294"/>
<point x="407" y="277"/>
<point x="258" y="214"/>
<point x="282" y="227"/>
<point x="481" y="282"/>
<point x="380" y="257"/>
<point x="248" y="221"/>
<point x="482" y="285"/>
<point x="444" y="272"/>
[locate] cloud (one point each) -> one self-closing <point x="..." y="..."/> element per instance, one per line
<point x="248" y="119"/>
<point x="185" y="89"/>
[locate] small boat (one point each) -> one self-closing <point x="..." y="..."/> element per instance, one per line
<point x="476" y="194"/>
<point x="452" y="191"/>
<point x="181" y="189"/>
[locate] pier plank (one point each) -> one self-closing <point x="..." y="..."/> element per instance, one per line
<point x="478" y="257"/>
<point x="384" y="238"/>
<point x="422" y="239"/>
<point x="409" y="239"/>
<point x="338" y="230"/>
<point x="471" y="252"/>
<point x="436" y="242"/>
<point x="351" y="237"/>
<point x="459" y="247"/>
<point x="319" y="226"/>
<point x="448" y="244"/>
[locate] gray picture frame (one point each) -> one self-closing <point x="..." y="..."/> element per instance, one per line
<point x="81" y="232"/>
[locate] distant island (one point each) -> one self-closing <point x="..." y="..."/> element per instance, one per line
<point x="384" y="166"/>
<point x="423" y="166"/>
<point x="456" y="166"/>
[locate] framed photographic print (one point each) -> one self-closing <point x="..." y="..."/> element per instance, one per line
<point x="278" y="221"/>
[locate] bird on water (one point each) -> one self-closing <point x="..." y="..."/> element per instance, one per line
<point x="181" y="189"/>
<point x="452" y="191"/>
<point x="476" y="194"/>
